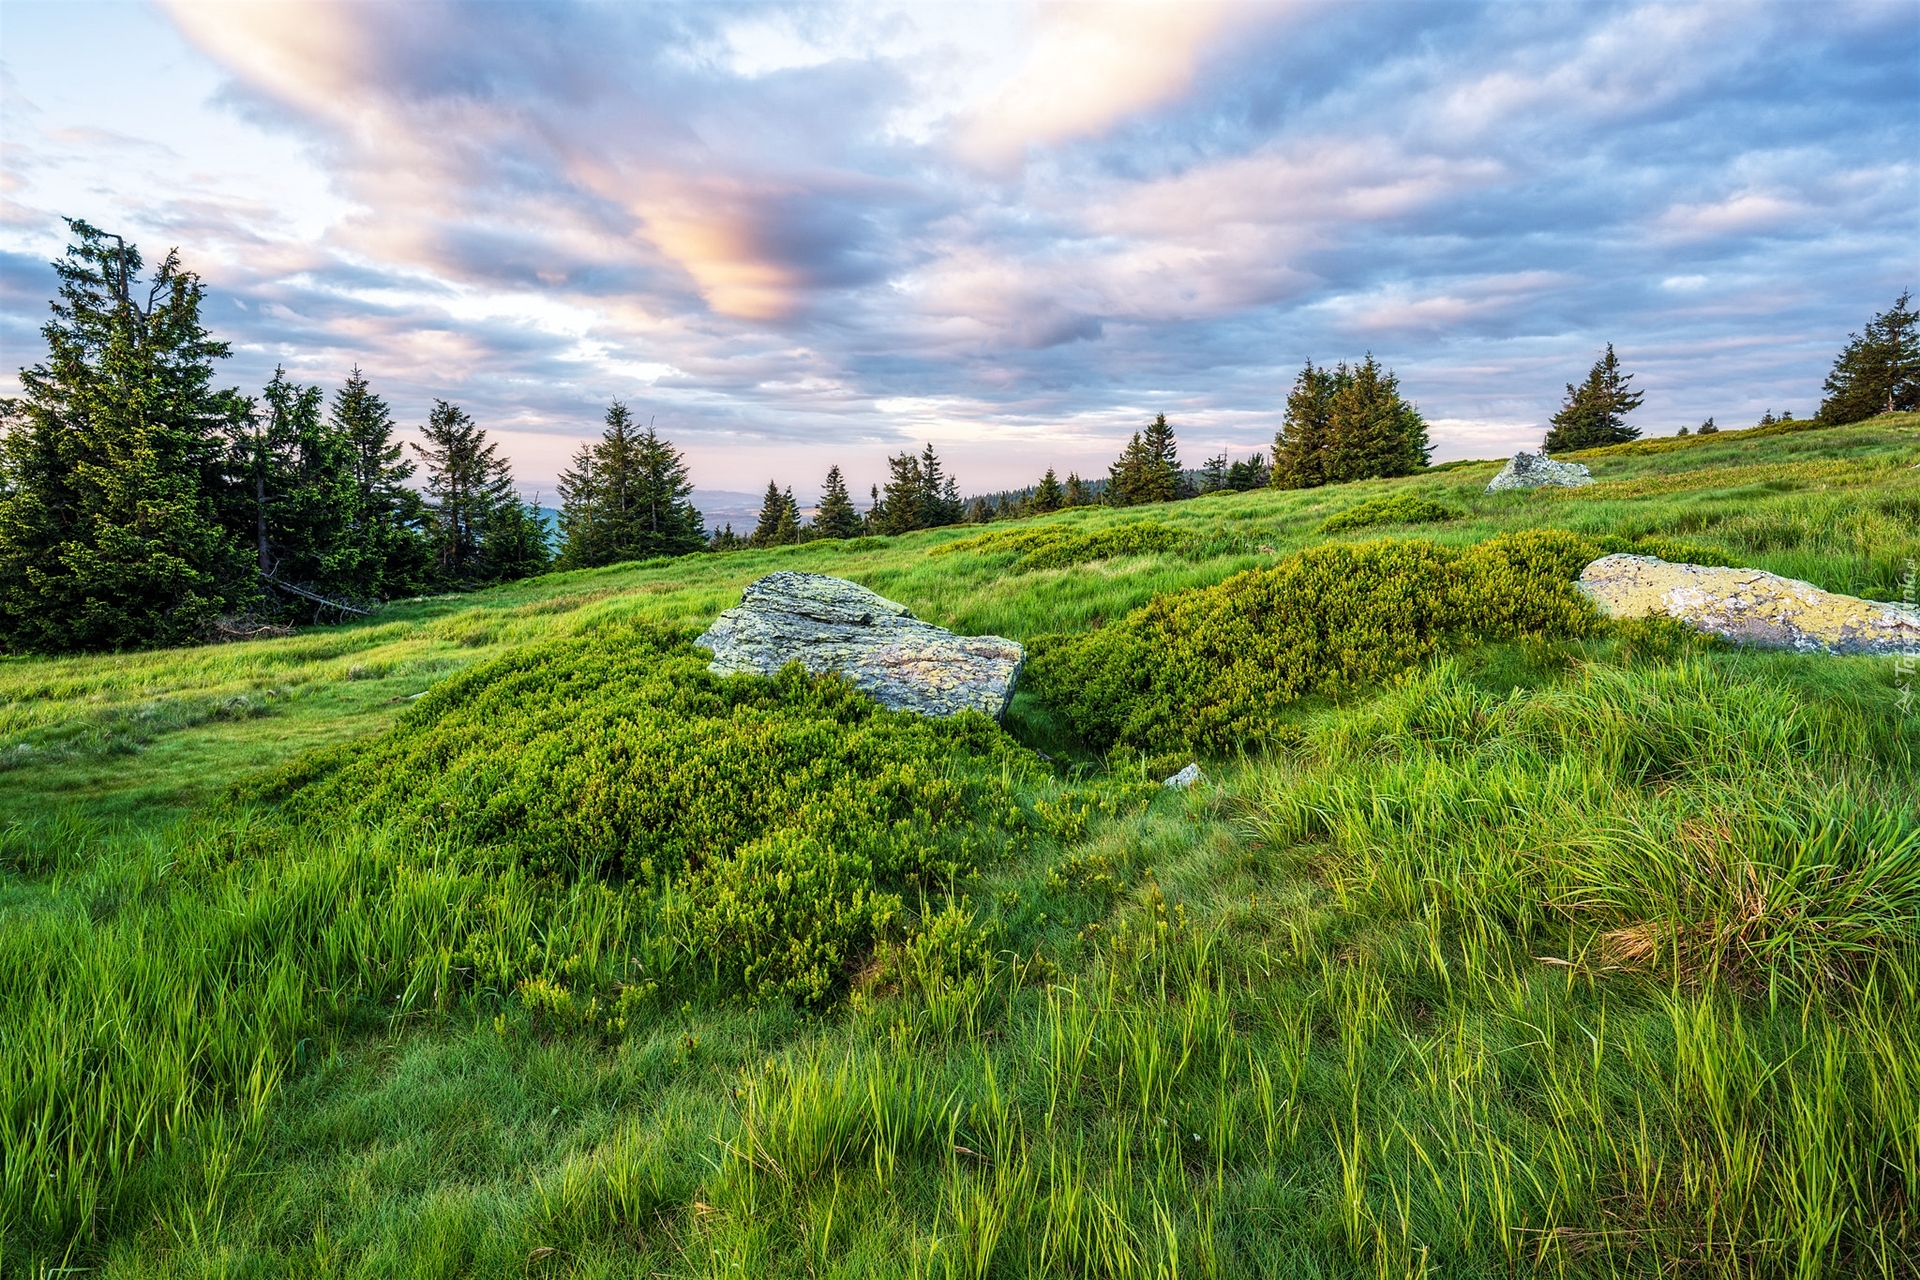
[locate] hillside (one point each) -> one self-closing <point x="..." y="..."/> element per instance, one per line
<point x="492" y="935"/>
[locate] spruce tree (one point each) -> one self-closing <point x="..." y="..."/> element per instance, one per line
<point x="836" y="517"/>
<point x="300" y="475"/>
<point x="1299" y="449"/>
<point x="580" y="541"/>
<point x="388" y="514"/>
<point x="1213" y="476"/>
<point x="773" y="513"/>
<point x="1595" y="412"/>
<point x="1371" y="432"/>
<point x="514" y="541"/>
<point x="113" y="466"/>
<point x="1078" y="494"/>
<point x="627" y="497"/>
<point x="901" y="507"/>
<point x="664" y="521"/>
<point x="1251" y="474"/>
<point x="1148" y="469"/>
<point x="937" y="497"/>
<point x="1048" y="495"/>
<point x="1879" y="371"/>
<point x="468" y="482"/>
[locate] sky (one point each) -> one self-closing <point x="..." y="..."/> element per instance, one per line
<point x="794" y="236"/>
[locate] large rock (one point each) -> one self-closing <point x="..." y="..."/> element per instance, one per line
<point x="1534" y="470"/>
<point x="830" y="624"/>
<point x="1750" y="606"/>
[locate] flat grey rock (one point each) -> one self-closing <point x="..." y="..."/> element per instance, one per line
<point x="1749" y="606"/>
<point x="832" y="625"/>
<point x="1527" y="470"/>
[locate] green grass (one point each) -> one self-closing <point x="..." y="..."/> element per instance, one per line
<point x="1555" y="954"/>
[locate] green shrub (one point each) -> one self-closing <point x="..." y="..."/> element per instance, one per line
<point x="1393" y="508"/>
<point x="1058" y="546"/>
<point x="777" y="819"/>
<point x="1214" y="668"/>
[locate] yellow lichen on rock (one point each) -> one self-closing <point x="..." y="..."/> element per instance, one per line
<point x="1749" y="606"/>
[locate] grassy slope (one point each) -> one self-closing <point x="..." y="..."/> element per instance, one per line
<point x="1279" y="1036"/>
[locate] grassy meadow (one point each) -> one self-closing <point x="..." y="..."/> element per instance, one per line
<point x="493" y="936"/>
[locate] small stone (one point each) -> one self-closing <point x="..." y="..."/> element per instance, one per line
<point x="1534" y="470"/>
<point x="1749" y="606"/>
<point x="832" y="625"/>
<point x="1185" y="778"/>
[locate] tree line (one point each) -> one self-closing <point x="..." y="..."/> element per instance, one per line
<point x="141" y="505"/>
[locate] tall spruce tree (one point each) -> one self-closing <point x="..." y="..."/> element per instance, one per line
<point x="1878" y="371"/>
<point x="666" y="523"/>
<point x="1299" y="449"/>
<point x="777" y="525"/>
<point x="1048" y="495"/>
<point x="1594" y="413"/>
<point x="299" y="474"/>
<point x="903" y="506"/>
<point x="1371" y="431"/>
<point x="580" y="543"/>
<point x="938" y="497"/>
<point x="113" y="466"/>
<point x="627" y="497"/>
<point x="389" y="516"/>
<point x="1148" y="469"/>
<point x="836" y="517"/>
<point x="468" y="483"/>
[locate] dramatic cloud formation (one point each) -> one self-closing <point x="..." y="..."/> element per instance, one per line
<point x="809" y="234"/>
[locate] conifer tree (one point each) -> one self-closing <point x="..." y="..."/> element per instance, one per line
<point x="1251" y="474"/>
<point x="580" y="541"/>
<point x="937" y="495"/>
<point x="113" y="467"/>
<point x="514" y="541"/>
<point x="468" y="482"/>
<point x="300" y="474"/>
<point x="836" y="517"/>
<point x="1878" y="371"/>
<point x="900" y="508"/>
<point x="1048" y="495"/>
<point x="1299" y="449"/>
<point x="664" y="520"/>
<point x="388" y="514"/>
<point x="1148" y="469"/>
<point x="627" y="497"/>
<point x="1213" y="476"/>
<point x="776" y="513"/>
<point x="1078" y="494"/>
<point x="1595" y="412"/>
<point x="788" y="528"/>
<point x="1371" y="432"/>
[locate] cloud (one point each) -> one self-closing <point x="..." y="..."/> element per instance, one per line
<point x="804" y="234"/>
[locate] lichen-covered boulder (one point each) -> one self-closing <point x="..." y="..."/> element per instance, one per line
<point x="830" y="624"/>
<point x="1535" y="470"/>
<point x="1749" y="606"/>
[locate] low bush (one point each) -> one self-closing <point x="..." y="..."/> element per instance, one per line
<point x="777" y="820"/>
<point x="1393" y="508"/>
<point x="1058" y="546"/>
<point x="1213" y="669"/>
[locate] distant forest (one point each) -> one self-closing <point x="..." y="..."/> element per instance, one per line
<point x="140" y="505"/>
